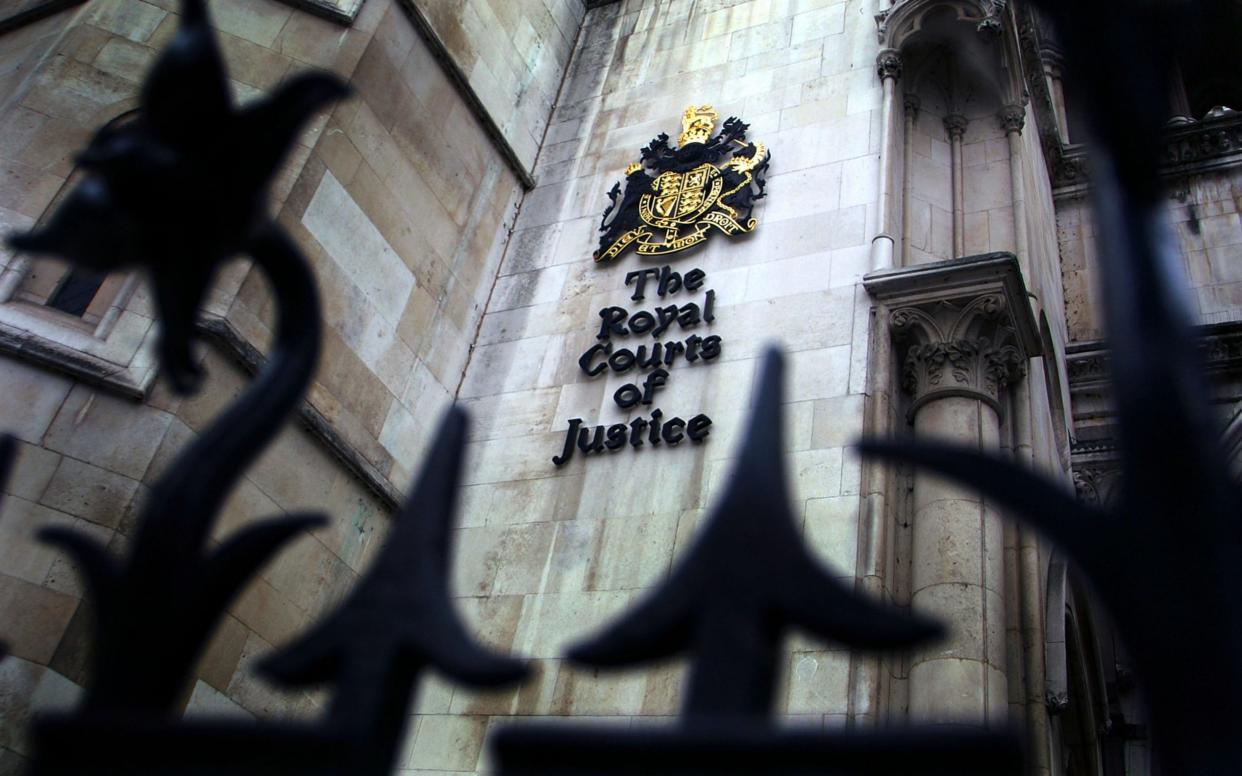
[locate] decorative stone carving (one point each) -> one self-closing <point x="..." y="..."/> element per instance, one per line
<point x="992" y="23"/>
<point x="957" y="350"/>
<point x="1012" y="118"/>
<point x="961" y="327"/>
<point x="955" y="125"/>
<point x="1204" y="141"/>
<point x="1220" y="347"/>
<point x="1057" y="702"/>
<point x="913" y="103"/>
<point x="888" y="64"/>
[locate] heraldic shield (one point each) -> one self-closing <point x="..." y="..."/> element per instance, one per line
<point x="674" y="197"/>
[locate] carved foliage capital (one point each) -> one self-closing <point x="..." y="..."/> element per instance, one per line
<point x="1012" y="118"/>
<point x="965" y="349"/>
<point x="888" y="64"/>
<point x="912" y="104"/>
<point x="955" y="125"/>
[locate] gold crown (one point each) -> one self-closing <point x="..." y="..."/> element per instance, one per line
<point x="697" y="124"/>
<point x="633" y="168"/>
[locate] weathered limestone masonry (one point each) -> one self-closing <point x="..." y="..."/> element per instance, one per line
<point x="966" y="332"/>
<point x="553" y="552"/>
<point x="924" y="256"/>
<point x="402" y="203"/>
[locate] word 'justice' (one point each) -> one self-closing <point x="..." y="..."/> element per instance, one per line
<point x="676" y="325"/>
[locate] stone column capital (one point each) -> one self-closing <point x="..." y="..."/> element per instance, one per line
<point x="888" y="64"/>
<point x="912" y="104"/>
<point x="957" y="350"/>
<point x="955" y="125"/>
<point x="1012" y="118"/>
<point x="961" y="327"/>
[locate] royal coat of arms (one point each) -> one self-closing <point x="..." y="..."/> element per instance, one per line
<point x="675" y="196"/>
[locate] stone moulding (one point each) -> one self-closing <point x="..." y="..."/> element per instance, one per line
<point x="339" y="11"/>
<point x="136" y="384"/>
<point x="223" y="334"/>
<point x="1192" y="148"/>
<point x="1096" y="462"/>
<point x="963" y="327"/>
<point x="1220" y="347"/>
<point x="1204" y="145"/>
<point x="461" y="84"/>
<point x="50" y="354"/>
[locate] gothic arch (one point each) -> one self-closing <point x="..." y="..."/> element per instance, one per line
<point x="1076" y="689"/>
<point x="973" y="27"/>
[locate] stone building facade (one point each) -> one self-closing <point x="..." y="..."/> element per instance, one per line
<point x="924" y="256"/>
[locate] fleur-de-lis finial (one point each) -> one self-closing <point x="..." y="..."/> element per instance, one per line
<point x="182" y="187"/>
<point x="747" y="580"/>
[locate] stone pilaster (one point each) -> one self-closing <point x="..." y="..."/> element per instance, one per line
<point x="963" y="332"/>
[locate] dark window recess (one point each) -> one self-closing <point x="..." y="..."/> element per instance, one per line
<point x="1210" y="67"/>
<point x="75" y="294"/>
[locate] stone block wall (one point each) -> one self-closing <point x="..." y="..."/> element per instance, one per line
<point x="401" y="203"/>
<point x="513" y="54"/>
<point x="552" y="553"/>
<point x="1202" y="211"/>
<point x="86" y="460"/>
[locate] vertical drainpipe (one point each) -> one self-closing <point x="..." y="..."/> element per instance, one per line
<point x="865" y="683"/>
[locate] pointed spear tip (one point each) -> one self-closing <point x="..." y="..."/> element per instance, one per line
<point x="193" y="11"/>
<point x="449" y="438"/>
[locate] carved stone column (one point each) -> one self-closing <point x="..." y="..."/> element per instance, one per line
<point x="955" y="125"/>
<point x="888" y="67"/>
<point x="911" y="102"/>
<point x="962" y="332"/>
<point x="1012" y="119"/>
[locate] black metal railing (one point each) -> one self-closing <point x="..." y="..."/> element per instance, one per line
<point x="181" y="189"/>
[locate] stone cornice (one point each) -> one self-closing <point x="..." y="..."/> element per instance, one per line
<point x="1087" y="364"/>
<point x="962" y="327"/>
<point x="1203" y="145"/>
<point x="958" y="280"/>
<point x="1095" y="461"/>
